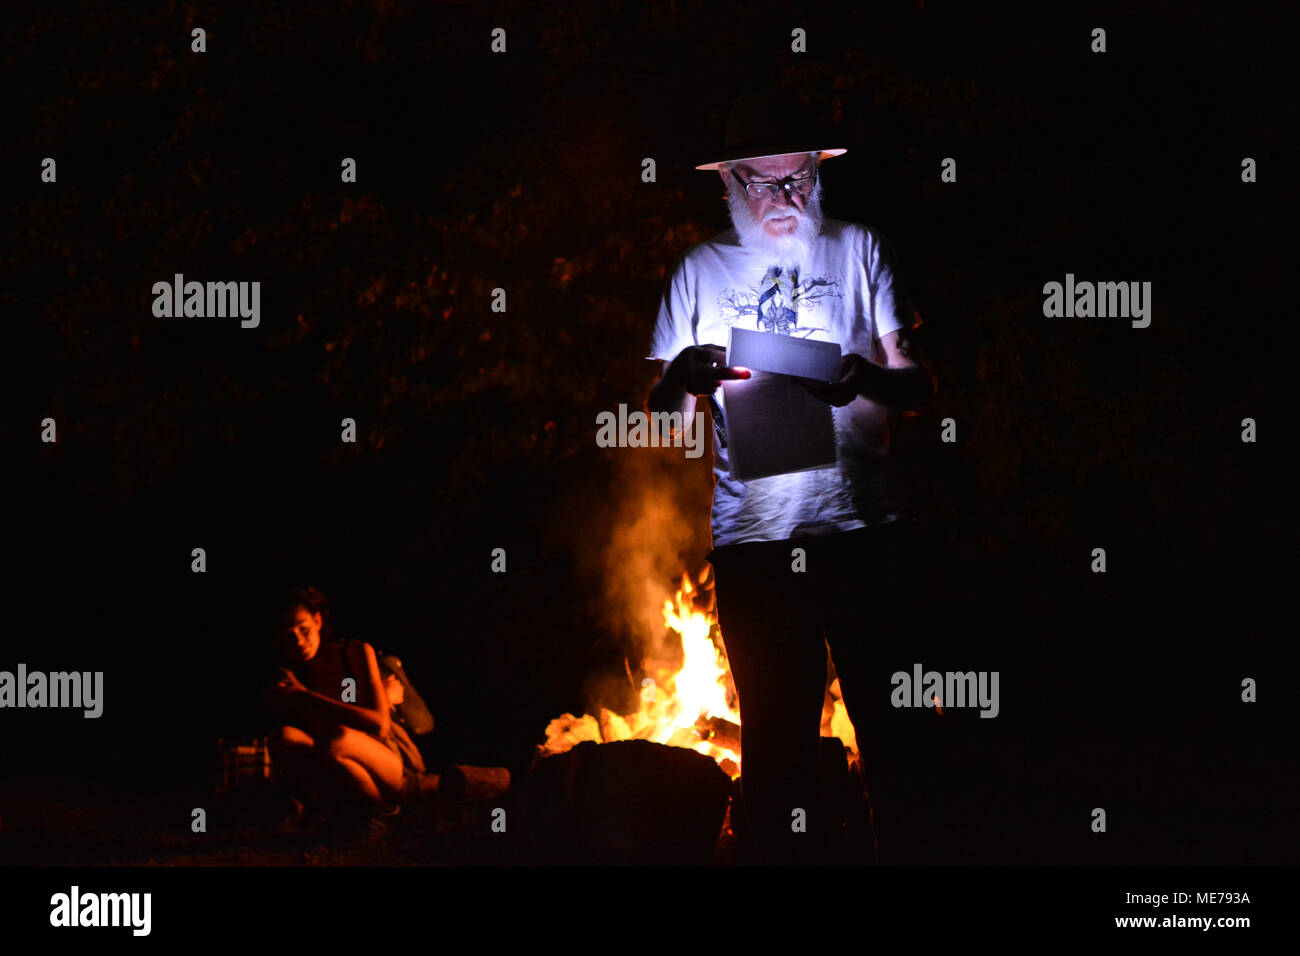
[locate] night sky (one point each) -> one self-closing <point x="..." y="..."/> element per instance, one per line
<point x="476" y="429"/>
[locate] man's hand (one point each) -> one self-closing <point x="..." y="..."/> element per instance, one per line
<point x="854" y="372"/>
<point x="394" y="690"/>
<point x="700" y="369"/>
<point x="289" y="686"/>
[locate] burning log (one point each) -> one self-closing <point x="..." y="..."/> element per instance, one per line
<point x="627" y="802"/>
<point x="721" y="732"/>
<point x="474" y="784"/>
<point x="677" y="689"/>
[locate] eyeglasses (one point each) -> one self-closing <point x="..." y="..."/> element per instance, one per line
<point x="767" y="190"/>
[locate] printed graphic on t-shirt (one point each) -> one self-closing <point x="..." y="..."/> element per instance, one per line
<point x="779" y="303"/>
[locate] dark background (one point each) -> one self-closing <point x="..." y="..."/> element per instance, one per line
<point x="476" y="429"/>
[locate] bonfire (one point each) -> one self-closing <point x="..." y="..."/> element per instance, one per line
<point x="692" y="703"/>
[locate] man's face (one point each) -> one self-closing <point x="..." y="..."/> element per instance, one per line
<point x="302" y="637"/>
<point x="776" y="214"/>
<point x="783" y="227"/>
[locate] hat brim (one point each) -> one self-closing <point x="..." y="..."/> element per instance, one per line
<point x="825" y="154"/>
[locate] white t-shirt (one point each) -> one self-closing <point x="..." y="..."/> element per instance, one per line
<point x="846" y="293"/>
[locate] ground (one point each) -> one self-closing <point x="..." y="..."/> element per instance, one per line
<point x="1020" y="810"/>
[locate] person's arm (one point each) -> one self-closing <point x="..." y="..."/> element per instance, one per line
<point x="669" y="394"/>
<point x="371" y="717"/>
<point x="901" y="384"/>
<point x="697" y="370"/>
<point x="693" y="369"/>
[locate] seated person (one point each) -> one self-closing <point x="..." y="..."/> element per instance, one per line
<point x="343" y="752"/>
<point x="400" y="730"/>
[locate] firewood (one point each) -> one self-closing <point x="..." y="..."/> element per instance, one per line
<point x="474" y="784"/>
<point x="720" y="731"/>
<point x="629" y="802"/>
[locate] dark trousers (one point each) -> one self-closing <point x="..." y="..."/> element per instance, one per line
<point x="776" y="623"/>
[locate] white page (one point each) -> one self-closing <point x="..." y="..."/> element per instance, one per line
<point x="769" y="352"/>
<point x="774" y="426"/>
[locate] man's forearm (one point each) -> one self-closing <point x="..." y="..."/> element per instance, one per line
<point x="350" y="715"/>
<point x="900" y="389"/>
<point x="668" y="395"/>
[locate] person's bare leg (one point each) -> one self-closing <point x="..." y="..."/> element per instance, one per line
<point x="294" y="760"/>
<point x="373" y="771"/>
<point x="360" y="780"/>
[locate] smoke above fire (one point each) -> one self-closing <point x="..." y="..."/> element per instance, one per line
<point x="660" y="526"/>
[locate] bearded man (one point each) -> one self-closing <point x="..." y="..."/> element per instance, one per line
<point x="785" y="269"/>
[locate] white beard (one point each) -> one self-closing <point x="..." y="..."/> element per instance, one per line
<point x="788" y="251"/>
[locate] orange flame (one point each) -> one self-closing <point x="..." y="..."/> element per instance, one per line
<point x="677" y="705"/>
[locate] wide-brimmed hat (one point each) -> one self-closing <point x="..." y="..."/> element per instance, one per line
<point x="770" y="122"/>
